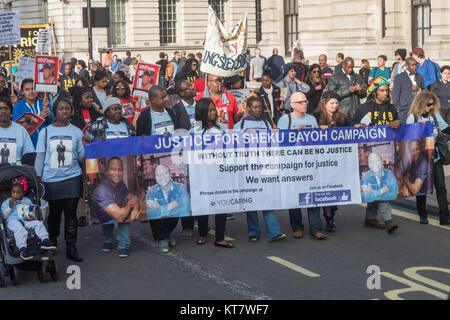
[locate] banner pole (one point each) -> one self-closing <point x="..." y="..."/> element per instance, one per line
<point x="53" y="35"/>
<point x="11" y="69"/>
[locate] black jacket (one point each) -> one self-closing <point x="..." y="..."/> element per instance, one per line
<point x="348" y="102"/>
<point x="99" y="126"/>
<point x="181" y="117"/>
<point x="313" y="96"/>
<point x="144" y="123"/>
<point x="266" y="103"/>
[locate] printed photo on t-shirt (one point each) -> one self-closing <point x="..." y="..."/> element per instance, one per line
<point x="127" y="110"/>
<point x="223" y="116"/>
<point x="61" y="152"/>
<point x="115" y="134"/>
<point x="8" y="150"/>
<point x="162" y="128"/>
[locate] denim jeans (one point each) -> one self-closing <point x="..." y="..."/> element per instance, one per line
<point x="383" y="208"/>
<point x="270" y="219"/>
<point x="315" y="223"/>
<point x="123" y="234"/>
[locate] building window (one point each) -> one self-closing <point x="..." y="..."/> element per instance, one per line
<point x="421" y="22"/>
<point x="218" y="6"/>
<point x="258" y="21"/>
<point x="167" y="22"/>
<point x="290" y="24"/>
<point x="117" y="26"/>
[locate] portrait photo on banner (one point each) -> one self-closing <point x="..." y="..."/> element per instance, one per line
<point x="46" y="73"/>
<point x="146" y="77"/>
<point x="160" y="185"/>
<point x="388" y="170"/>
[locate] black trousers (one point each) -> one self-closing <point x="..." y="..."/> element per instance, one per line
<point x="441" y="193"/>
<point x="69" y="207"/>
<point x="162" y="228"/>
<point x="221" y="220"/>
<point x="187" y="223"/>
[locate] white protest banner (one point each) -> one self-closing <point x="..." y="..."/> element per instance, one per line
<point x="224" y="53"/>
<point x="46" y="73"/>
<point x="43" y="41"/>
<point x="9" y="28"/>
<point x="25" y="70"/>
<point x="95" y="53"/>
<point x="198" y="174"/>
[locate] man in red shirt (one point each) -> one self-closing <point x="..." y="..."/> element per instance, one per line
<point x="225" y="102"/>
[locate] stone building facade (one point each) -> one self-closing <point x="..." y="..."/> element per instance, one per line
<point x="357" y="28"/>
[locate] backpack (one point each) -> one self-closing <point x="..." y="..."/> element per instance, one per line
<point x="437" y="69"/>
<point x="169" y="70"/>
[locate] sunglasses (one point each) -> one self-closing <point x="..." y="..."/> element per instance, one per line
<point x="317" y="71"/>
<point x="430" y="105"/>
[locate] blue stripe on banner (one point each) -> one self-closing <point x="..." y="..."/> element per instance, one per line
<point x="237" y="140"/>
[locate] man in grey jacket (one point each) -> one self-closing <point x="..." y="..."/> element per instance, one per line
<point x="349" y="86"/>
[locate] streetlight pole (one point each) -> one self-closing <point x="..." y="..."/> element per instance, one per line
<point x="89" y="28"/>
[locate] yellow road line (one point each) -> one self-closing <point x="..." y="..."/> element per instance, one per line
<point x="414" y="217"/>
<point x="294" y="267"/>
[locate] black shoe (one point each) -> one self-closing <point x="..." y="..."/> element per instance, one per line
<point x="331" y="227"/>
<point x="445" y="221"/>
<point x="82" y="222"/>
<point x="25" y="255"/>
<point x="48" y="245"/>
<point x="72" y="254"/>
<point x="423" y="220"/>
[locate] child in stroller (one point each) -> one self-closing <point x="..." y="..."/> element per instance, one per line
<point x="18" y="211"/>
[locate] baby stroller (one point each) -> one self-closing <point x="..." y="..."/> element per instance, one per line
<point x="44" y="261"/>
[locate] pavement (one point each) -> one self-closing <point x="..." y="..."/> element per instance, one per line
<point x="432" y="204"/>
<point x="353" y="263"/>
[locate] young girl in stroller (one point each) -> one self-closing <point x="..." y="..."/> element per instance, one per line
<point x="18" y="211"/>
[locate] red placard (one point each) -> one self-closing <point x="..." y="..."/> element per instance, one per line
<point x="146" y="76"/>
<point x="46" y="74"/>
<point x="30" y="122"/>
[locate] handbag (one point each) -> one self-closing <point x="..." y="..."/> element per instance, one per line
<point x="442" y="145"/>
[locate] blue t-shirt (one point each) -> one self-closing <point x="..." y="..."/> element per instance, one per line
<point x="116" y="130"/>
<point x="19" y="211"/>
<point x="23" y="107"/>
<point x="190" y="111"/>
<point x="441" y="124"/>
<point x="17" y="143"/>
<point x="101" y="97"/>
<point x="307" y="122"/>
<point x="64" y="147"/>
<point x="161" y="123"/>
<point x="249" y="123"/>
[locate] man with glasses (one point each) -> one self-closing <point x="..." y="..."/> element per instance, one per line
<point x="225" y="102"/>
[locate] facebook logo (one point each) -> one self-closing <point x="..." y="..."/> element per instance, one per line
<point x="305" y="198"/>
<point x="323" y="197"/>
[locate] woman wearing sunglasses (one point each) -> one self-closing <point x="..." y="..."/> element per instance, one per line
<point x="130" y="106"/>
<point x="317" y="83"/>
<point x="189" y="72"/>
<point x="425" y="107"/>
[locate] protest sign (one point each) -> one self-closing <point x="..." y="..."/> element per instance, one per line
<point x="266" y="170"/>
<point x="146" y="77"/>
<point x="224" y="53"/>
<point x="25" y="70"/>
<point x="9" y="28"/>
<point x="30" y="122"/>
<point x="43" y="41"/>
<point x="46" y="74"/>
<point x="26" y="48"/>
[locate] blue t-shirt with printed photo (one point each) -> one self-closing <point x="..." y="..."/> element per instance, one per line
<point x="17" y="142"/>
<point x="307" y="122"/>
<point x="249" y="123"/>
<point x="161" y="123"/>
<point x="64" y="146"/>
<point x="116" y="130"/>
